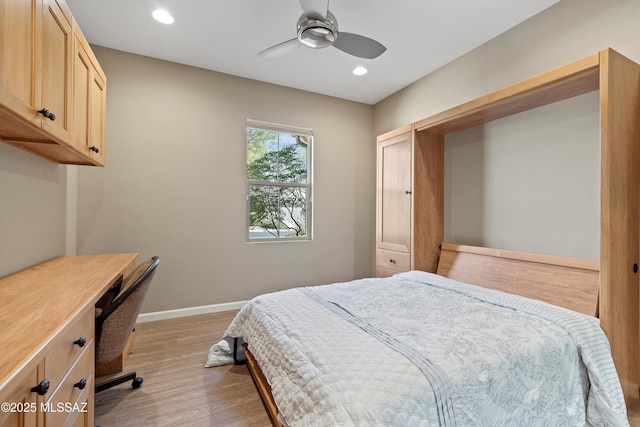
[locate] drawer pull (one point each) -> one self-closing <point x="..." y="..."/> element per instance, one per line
<point x="41" y="388"/>
<point x="94" y="149"/>
<point x="81" y="342"/>
<point x="392" y="261"/>
<point x="81" y="384"/>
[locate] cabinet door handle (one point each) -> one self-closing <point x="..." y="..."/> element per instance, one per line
<point x="41" y="388"/>
<point x="94" y="149"/>
<point x="407" y="192"/>
<point x="48" y="114"/>
<point x="81" y="342"/>
<point x="81" y="384"/>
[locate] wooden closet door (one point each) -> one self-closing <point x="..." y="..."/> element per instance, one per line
<point x="394" y="194"/>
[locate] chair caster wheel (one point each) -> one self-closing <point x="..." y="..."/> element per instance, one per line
<point x="137" y="382"/>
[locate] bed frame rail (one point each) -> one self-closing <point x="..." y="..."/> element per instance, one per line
<point x="263" y="387"/>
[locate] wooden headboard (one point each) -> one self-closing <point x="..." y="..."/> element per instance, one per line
<point x="567" y="282"/>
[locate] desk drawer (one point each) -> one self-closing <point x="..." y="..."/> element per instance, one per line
<point x="396" y="261"/>
<point x="60" y="359"/>
<point x="69" y="400"/>
<point x="384" y="272"/>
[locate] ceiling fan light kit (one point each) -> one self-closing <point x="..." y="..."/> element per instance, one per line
<point x="317" y="33"/>
<point x="319" y="29"/>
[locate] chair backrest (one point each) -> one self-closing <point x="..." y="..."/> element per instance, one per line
<point x="116" y="322"/>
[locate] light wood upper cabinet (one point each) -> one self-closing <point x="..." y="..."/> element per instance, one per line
<point x="89" y="100"/>
<point x="37" y="83"/>
<point x="18" y="67"/>
<point x="55" y="74"/>
<point x="97" y="116"/>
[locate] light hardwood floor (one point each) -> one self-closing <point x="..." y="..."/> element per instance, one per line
<point x="179" y="391"/>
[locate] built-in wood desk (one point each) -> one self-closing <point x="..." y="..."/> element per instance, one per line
<point x="47" y="339"/>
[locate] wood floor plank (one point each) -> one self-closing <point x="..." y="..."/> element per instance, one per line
<point x="177" y="389"/>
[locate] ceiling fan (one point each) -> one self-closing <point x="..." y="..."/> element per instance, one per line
<point x="317" y="28"/>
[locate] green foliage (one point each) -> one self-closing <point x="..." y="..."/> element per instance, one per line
<point x="281" y="158"/>
<point x="284" y="165"/>
<point x="256" y="143"/>
<point x="278" y="209"/>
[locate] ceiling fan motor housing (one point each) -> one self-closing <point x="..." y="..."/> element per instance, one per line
<point x="317" y="33"/>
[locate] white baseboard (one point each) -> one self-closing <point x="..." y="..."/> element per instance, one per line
<point x="190" y="311"/>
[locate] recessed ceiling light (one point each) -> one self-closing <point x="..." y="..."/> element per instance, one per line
<point x="360" y="71"/>
<point x="163" y="16"/>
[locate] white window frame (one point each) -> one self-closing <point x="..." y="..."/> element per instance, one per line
<point x="275" y="127"/>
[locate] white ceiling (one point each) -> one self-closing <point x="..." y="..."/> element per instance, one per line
<point x="226" y="35"/>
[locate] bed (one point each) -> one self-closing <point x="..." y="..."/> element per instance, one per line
<point x="494" y="338"/>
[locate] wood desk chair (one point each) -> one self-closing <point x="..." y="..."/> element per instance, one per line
<point x="116" y="322"/>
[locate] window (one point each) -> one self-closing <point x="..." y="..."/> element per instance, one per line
<point x="278" y="182"/>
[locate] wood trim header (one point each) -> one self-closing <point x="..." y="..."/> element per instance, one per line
<point x="564" y="82"/>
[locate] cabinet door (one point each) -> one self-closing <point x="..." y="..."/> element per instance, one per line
<point x="22" y="413"/>
<point x="17" y="62"/>
<point x="394" y="194"/>
<point x="89" y="100"/>
<point x="55" y="53"/>
<point x="81" y="88"/>
<point x="97" y="116"/>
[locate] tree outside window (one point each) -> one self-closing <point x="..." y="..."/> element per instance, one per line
<point x="278" y="182"/>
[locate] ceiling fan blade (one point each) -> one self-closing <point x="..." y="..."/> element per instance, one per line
<point x="316" y="9"/>
<point x="280" y="49"/>
<point x="360" y="46"/>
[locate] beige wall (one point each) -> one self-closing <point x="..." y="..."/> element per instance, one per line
<point x="529" y="182"/>
<point x="174" y="183"/>
<point x="32" y="209"/>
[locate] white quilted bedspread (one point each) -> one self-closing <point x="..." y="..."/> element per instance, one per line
<point x="418" y="349"/>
